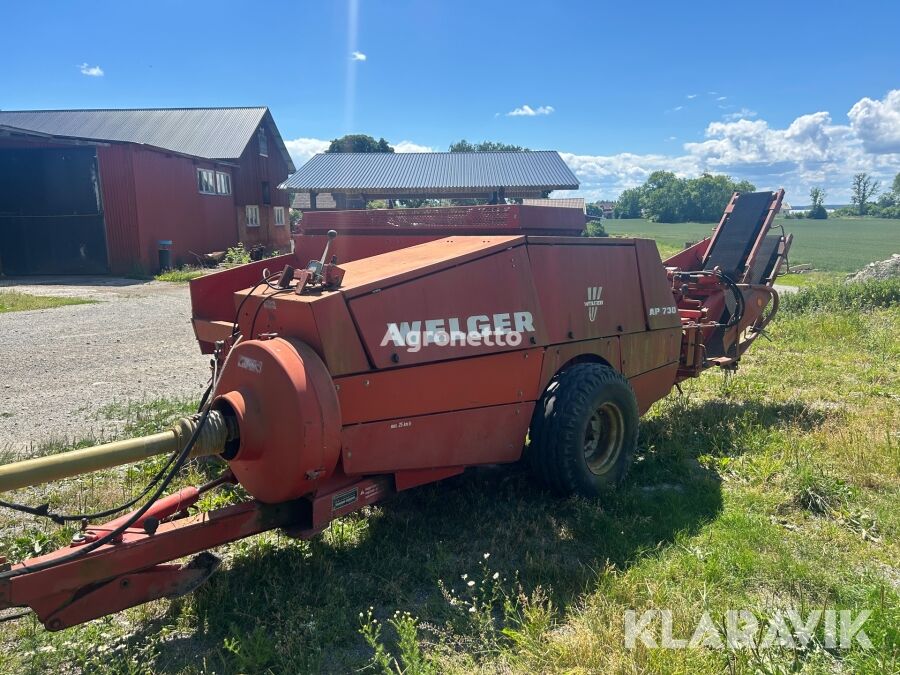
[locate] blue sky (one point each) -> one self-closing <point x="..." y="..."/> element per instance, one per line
<point x="787" y="94"/>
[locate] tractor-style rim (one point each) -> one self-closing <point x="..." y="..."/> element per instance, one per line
<point x="603" y="438"/>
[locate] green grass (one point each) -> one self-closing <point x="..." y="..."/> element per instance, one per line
<point x="807" y="279"/>
<point x="13" y="301"/>
<point x="774" y="488"/>
<point x="181" y="275"/>
<point x="836" y="244"/>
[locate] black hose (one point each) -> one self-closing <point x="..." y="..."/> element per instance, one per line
<point x="105" y="539"/>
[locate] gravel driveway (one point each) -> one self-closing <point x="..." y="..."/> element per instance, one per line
<point x="59" y="366"/>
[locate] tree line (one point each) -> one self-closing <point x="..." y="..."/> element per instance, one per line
<point x="665" y="198"/>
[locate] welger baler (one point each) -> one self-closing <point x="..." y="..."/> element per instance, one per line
<point x="397" y="348"/>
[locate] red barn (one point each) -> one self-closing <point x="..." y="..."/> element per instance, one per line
<point x="96" y="191"/>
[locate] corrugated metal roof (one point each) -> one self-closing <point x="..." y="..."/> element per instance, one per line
<point x="432" y="171"/>
<point x="210" y="133"/>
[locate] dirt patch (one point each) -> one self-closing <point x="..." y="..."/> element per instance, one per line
<point x="59" y="367"/>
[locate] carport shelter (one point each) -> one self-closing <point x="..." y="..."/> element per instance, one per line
<point x="349" y="180"/>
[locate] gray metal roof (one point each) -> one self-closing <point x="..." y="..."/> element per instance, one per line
<point x="432" y="172"/>
<point x="210" y="133"/>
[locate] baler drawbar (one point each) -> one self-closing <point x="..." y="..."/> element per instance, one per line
<point x="420" y="343"/>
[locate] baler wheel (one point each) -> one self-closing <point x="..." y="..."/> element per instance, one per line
<point x="584" y="430"/>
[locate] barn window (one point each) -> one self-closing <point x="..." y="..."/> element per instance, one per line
<point x="266" y="194"/>
<point x="263" y="142"/>
<point x="252" y="216"/>
<point x="206" y="181"/>
<point x="279" y="215"/>
<point x="223" y="183"/>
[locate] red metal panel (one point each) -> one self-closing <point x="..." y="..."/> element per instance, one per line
<point x="488" y="219"/>
<point x="456" y="385"/>
<point x="493" y="294"/>
<point x="395" y="267"/>
<point x="349" y="247"/>
<point x="466" y="437"/>
<point x="559" y="355"/>
<point x="587" y="290"/>
<point x="322" y="322"/>
<point x="649" y="350"/>
<point x="651" y="386"/>
<point x="659" y="302"/>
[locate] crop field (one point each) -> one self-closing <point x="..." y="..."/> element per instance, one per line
<point x="836" y="244"/>
<point x="772" y="489"/>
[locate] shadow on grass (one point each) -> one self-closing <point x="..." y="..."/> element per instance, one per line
<point x="295" y="605"/>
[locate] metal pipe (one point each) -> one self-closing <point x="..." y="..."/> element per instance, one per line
<point x="212" y="439"/>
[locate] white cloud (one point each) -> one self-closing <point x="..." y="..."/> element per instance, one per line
<point x="90" y="71"/>
<point x="877" y="123"/>
<point x="813" y="150"/>
<point x="301" y="149"/>
<point x="409" y="146"/>
<point x="721" y="98"/>
<point x="357" y="56"/>
<point x="528" y="111"/>
<point x="690" y="96"/>
<point x="742" y="114"/>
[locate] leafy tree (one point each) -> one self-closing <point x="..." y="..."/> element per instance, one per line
<point x="665" y="198"/>
<point x="359" y="143"/>
<point x="629" y="204"/>
<point x="593" y="209"/>
<point x="895" y="187"/>
<point x="708" y="195"/>
<point x="485" y="146"/>
<point x="817" y="208"/>
<point x="864" y="188"/>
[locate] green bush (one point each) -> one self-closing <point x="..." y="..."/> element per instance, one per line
<point x="837" y="296"/>
<point x="237" y="255"/>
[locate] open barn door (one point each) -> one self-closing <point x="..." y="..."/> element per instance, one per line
<point x="51" y="214"/>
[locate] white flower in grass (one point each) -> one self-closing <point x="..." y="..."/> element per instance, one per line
<point x="487" y="555"/>
<point x="470" y="584"/>
<point x="496" y="576"/>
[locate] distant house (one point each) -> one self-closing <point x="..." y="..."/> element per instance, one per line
<point x="607" y="207"/>
<point x="96" y="191"/>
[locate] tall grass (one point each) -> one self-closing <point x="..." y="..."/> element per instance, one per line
<point x="837" y="296"/>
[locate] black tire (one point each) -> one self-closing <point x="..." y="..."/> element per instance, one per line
<point x="584" y="430"/>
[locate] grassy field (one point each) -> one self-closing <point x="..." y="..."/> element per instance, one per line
<point x="836" y="244"/>
<point x="775" y="488"/>
<point x="13" y="301"/>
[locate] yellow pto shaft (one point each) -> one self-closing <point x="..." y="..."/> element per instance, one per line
<point x="211" y="441"/>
